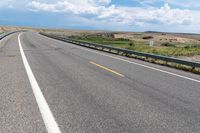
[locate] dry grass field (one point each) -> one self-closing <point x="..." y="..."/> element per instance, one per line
<point x="160" y="38"/>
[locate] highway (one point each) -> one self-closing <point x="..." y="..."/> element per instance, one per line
<point x="48" y="85"/>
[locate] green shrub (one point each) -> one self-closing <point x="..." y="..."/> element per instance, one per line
<point x="131" y="44"/>
<point x="187" y="47"/>
<point x="167" y="44"/>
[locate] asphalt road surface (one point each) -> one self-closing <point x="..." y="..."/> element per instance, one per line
<point x="51" y="86"/>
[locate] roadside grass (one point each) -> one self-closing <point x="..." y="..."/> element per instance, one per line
<point x="166" y="51"/>
<point x="142" y="46"/>
<point x="174" y="50"/>
<point x="122" y="43"/>
<point x="169" y="64"/>
<point x="170" y="50"/>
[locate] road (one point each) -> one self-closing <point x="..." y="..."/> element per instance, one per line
<point x="82" y="90"/>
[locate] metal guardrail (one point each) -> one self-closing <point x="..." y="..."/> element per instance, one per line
<point x="125" y="51"/>
<point x="3" y="35"/>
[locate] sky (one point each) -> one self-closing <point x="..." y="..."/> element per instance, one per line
<point x="115" y="15"/>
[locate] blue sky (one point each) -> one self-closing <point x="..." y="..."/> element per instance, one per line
<point x="116" y="15"/>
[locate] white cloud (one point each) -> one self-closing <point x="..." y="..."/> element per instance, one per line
<point x="147" y="1"/>
<point x="76" y="7"/>
<point x="104" y="2"/>
<point x="125" y="15"/>
<point x="17" y="4"/>
<point x="104" y="12"/>
<point x="189" y="4"/>
<point x="6" y="3"/>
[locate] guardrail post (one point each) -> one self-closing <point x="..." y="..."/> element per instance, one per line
<point x="193" y="68"/>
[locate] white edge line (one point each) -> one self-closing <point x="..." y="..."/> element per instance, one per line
<point x="131" y="62"/>
<point x="49" y="120"/>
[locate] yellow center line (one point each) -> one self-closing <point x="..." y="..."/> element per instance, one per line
<point x="105" y="68"/>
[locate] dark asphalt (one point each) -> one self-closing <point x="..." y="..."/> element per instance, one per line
<point x="85" y="98"/>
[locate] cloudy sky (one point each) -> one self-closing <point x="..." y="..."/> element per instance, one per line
<point x="117" y="15"/>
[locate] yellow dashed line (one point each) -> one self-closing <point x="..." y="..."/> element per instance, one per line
<point x="105" y="68"/>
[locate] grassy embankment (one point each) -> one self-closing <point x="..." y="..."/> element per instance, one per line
<point x="166" y="49"/>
